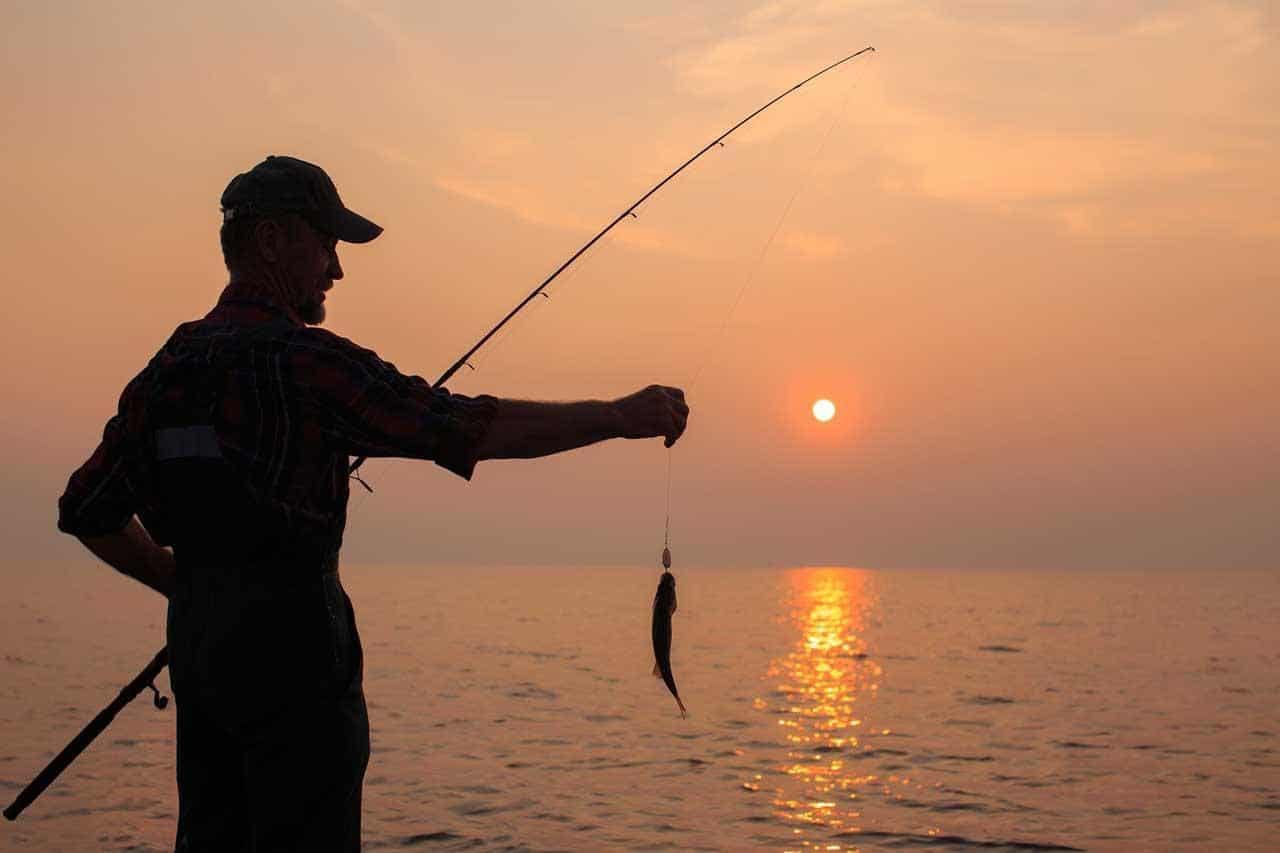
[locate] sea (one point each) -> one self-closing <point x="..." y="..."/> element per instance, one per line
<point x="830" y="708"/>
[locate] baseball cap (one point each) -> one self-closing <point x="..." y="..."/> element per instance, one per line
<point x="288" y="185"/>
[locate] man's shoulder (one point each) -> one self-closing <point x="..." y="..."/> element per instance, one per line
<point x="220" y="332"/>
<point x="311" y="352"/>
<point x="313" y="339"/>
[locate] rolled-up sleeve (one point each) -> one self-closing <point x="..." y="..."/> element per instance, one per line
<point x="98" y="499"/>
<point x="366" y="407"/>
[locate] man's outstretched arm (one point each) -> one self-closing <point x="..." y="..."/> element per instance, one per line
<point x="523" y="429"/>
<point x="131" y="551"/>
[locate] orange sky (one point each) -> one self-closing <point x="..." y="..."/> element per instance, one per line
<point x="1034" y="262"/>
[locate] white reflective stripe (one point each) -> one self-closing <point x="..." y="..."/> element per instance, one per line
<point x="188" y="442"/>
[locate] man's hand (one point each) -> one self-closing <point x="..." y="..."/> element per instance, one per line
<point x="132" y="552"/>
<point x="653" y="411"/>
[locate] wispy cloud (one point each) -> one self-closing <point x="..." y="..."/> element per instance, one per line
<point x="530" y="204"/>
<point x="1237" y="28"/>
<point x="946" y="161"/>
<point x="1013" y="131"/>
<point x="770" y="43"/>
<point x="995" y="140"/>
<point x="812" y="246"/>
<point x="523" y="201"/>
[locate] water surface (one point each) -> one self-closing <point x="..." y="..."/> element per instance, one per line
<point x="830" y="709"/>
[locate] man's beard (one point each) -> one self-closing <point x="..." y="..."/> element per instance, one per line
<point x="312" y="313"/>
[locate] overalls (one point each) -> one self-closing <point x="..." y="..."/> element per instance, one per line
<point x="264" y="657"/>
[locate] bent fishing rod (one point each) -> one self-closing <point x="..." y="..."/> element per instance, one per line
<point x="146" y="678"/>
<point x="630" y="211"/>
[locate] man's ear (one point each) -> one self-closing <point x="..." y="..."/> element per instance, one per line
<point x="268" y="236"/>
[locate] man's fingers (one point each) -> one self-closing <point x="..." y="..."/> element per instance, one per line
<point x="681" y="420"/>
<point x="673" y="437"/>
<point x="677" y="399"/>
<point x="658" y="410"/>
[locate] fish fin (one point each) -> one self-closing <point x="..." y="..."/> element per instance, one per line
<point x="657" y="673"/>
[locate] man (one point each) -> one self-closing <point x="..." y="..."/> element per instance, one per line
<point x="222" y="483"/>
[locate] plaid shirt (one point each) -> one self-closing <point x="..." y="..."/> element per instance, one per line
<point x="288" y="404"/>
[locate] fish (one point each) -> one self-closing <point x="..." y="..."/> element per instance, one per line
<point x="664" y="606"/>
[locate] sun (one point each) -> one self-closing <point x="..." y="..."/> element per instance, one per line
<point x="824" y="410"/>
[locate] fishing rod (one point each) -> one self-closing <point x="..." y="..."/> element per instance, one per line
<point x="148" y="675"/>
<point x="630" y="211"/>
<point x="72" y="750"/>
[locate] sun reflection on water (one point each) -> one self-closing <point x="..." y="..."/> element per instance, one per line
<point x="819" y="692"/>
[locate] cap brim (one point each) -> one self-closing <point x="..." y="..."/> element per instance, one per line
<point x="351" y="227"/>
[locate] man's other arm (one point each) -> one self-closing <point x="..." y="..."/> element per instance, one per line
<point x="98" y="506"/>
<point x="132" y="552"/>
<point x="523" y="429"/>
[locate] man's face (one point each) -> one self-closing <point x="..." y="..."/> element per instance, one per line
<point x="310" y="265"/>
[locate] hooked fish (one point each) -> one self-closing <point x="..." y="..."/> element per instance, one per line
<point x="664" y="605"/>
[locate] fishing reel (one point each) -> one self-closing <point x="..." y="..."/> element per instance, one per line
<point x="161" y="702"/>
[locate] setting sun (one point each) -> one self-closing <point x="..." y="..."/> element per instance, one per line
<point x="824" y="410"/>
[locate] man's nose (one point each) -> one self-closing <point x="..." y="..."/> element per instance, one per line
<point x="335" y="267"/>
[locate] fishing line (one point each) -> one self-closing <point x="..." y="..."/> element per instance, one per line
<point x="463" y="361"/>
<point x="748" y="280"/>
<point x="666" y="535"/>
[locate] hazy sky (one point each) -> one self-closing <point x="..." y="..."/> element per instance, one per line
<point x="1030" y="251"/>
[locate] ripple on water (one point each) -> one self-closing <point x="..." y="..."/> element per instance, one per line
<point x="441" y="837"/>
<point x="474" y="789"/>
<point x="929" y="757"/>
<point x="478" y="808"/>
<point x="908" y="839"/>
<point x="759" y="744"/>
<point x="972" y="724"/>
<point x="1075" y="744"/>
<point x="527" y="690"/>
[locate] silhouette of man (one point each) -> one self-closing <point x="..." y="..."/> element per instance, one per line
<point x="222" y="483"/>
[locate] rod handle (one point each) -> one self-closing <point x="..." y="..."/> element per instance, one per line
<point x="86" y="736"/>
